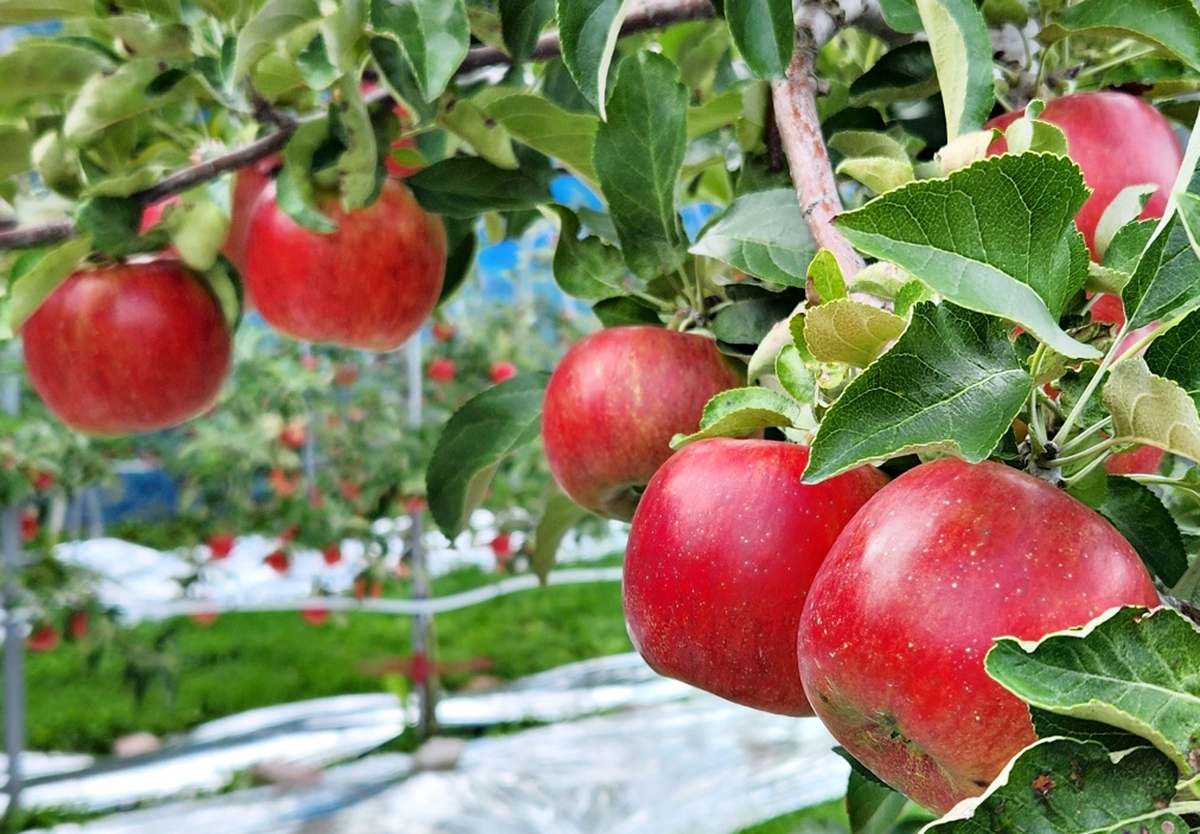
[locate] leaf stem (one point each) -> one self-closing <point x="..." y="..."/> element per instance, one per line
<point x="1077" y="410"/>
<point x="1074" y="443"/>
<point x="1083" y="473"/>
<point x="1095" y="449"/>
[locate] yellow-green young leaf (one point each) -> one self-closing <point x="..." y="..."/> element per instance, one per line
<point x="360" y="176"/>
<point x="226" y="284"/>
<point x="1130" y="668"/>
<point x="794" y="375"/>
<point x="31" y="11"/>
<point x="198" y="231"/>
<point x="761" y="233"/>
<point x="1033" y="134"/>
<point x="588" y="32"/>
<point x="16" y="144"/>
<point x="763" y="360"/>
<point x="1126" y="207"/>
<point x="1066" y="786"/>
<point x="877" y="173"/>
<point x="880" y="279"/>
<point x="826" y="276"/>
<point x="106" y="100"/>
<point x="952" y="382"/>
<point x="559" y="515"/>
<point x="475" y="440"/>
<point x="147" y="39"/>
<point x="271" y="23"/>
<point x="845" y="330"/>
<point x="343" y="35"/>
<point x="1170" y="25"/>
<point x="962" y="54"/>
<point x="853" y="143"/>
<point x="42" y="69"/>
<point x="963" y="151"/>
<point x="739" y="412"/>
<point x="486" y="135"/>
<point x="1151" y="410"/>
<point x="1106" y="279"/>
<point x="718" y="111"/>
<point x="35" y="285"/>
<point x="544" y="126"/>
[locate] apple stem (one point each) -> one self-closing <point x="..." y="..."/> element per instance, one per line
<point x="1060" y="437"/>
<point x="1074" y="443"/>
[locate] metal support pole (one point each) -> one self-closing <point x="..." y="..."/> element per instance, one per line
<point x="422" y="623"/>
<point x="14" y="640"/>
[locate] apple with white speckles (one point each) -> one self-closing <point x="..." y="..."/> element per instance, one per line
<point x="941" y="561"/>
<point x="723" y="547"/>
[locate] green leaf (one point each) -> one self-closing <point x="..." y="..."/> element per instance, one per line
<point x="718" y="111"/>
<point x="901" y="15"/>
<point x="878" y="161"/>
<point x="1064" y="786"/>
<point x="360" y="174"/>
<point x="487" y="136"/>
<point x="1170" y="25"/>
<point x="962" y="53"/>
<point x="1164" y="283"/>
<point x="739" y="412"/>
<point x="460" y="257"/>
<point x="108" y="99"/>
<point x="226" y="284"/>
<point x="826" y="276"/>
<point x="198" y="231"/>
<point x="1140" y="516"/>
<point x="763" y="234"/>
<point x="638" y="155"/>
<point x="433" y="34"/>
<point x="16" y="146"/>
<point x="466" y="186"/>
<point x="1175" y="355"/>
<point x="294" y="187"/>
<point x="397" y="76"/>
<point x="111" y="222"/>
<point x="995" y="237"/>
<point x="1151" y="411"/>
<point x="1133" y="669"/>
<point x="614" y="312"/>
<point x="1124" y="209"/>
<point x="559" y="515"/>
<point x="1124" y="251"/>
<point x="342" y="31"/>
<point x="793" y="374"/>
<point x="871" y="807"/>
<point x="547" y="128"/>
<point x="32" y="11"/>
<point x="1114" y="739"/>
<point x="586" y="268"/>
<point x="44" y="69"/>
<point x="747" y="322"/>
<point x="36" y="285"/>
<point x="845" y="330"/>
<point x="521" y="22"/>
<point x="587" y="30"/>
<point x="952" y="382"/>
<point x="764" y="33"/>
<point x="905" y="73"/>
<point x="475" y="440"/>
<point x="270" y="24"/>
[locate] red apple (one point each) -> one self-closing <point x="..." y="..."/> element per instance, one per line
<point x="345" y="374"/>
<point x="221" y="544"/>
<point x="937" y="564"/>
<point x="132" y="347"/>
<point x="77" y="625"/>
<point x="30" y="526"/>
<point x="501" y="371"/>
<point x="724" y="545"/>
<point x="248" y="185"/>
<point x="615" y="401"/>
<point x="43" y="638"/>
<point x="1117" y="140"/>
<point x="442" y="331"/>
<point x="205" y="618"/>
<point x="442" y="370"/>
<point x="278" y="560"/>
<point x="314" y="615"/>
<point x="1140" y="460"/>
<point x="293" y="434"/>
<point x="369" y="285"/>
<point x="332" y="554"/>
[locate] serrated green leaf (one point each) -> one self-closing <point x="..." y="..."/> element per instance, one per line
<point x="1164" y="283"/>
<point x="466" y="186"/>
<point x="740" y="412"/>
<point x="521" y="22"/>
<point x="906" y="73"/>
<point x="35" y="285"/>
<point x="343" y="31"/>
<point x="747" y="322"/>
<point x="764" y="33"/>
<point x="475" y="440"/>
<point x="272" y="22"/>
<point x="293" y="186"/>
<point x="1170" y="25"/>
<point x="44" y="69"/>
<point x="1125" y="208"/>
<point x="107" y="99"/>
<point x="1133" y="669"/>
<point x="559" y="515"/>
<point x="31" y="11"/>
<point x="615" y="312"/>
<point x="1124" y="251"/>
<point x="544" y="126"/>
<point x="111" y="222"/>
<point x="433" y="34"/>
<point x="826" y="276"/>
<point x="396" y="75"/>
<point x="1140" y="516"/>
<point x="1114" y="739"/>
<point x="763" y="234"/>
<point x="638" y="155"/>
<point x="852" y="143"/>
<point x="1150" y="410"/>
<point x="1064" y="786"/>
<point x="486" y="135"/>
<point x="877" y="173"/>
<point x="996" y="237"/>
<point x="1175" y="355"/>
<point x="951" y="382"/>
<point x="845" y="330"/>
<point x="587" y="30"/>
<point x="793" y="374"/>
<point x="962" y="54"/>
<point x="586" y="268"/>
<point x="314" y="65"/>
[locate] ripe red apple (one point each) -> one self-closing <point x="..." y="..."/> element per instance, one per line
<point x="501" y="371"/>
<point x="205" y="618"/>
<point x="441" y="370"/>
<point x="442" y="331"/>
<point x="1140" y="460"/>
<point x="278" y="560"/>
<point x="248" y="185"/>
<point x="937" y="564"/>
<point x="43" y="638"/>
<point x="332" y="554"/>
<point x="615" y="401"/>
<point x="369" y="285"/>
<point x="221" y="545"/>
<point x="132" y="347"/>
<point x="30" y="526"/>
<point x="724" y="545"/>
<point x="293" y="434"/>
<point x="1117" y="140"/>
<point x="315" y="615"/>
<point x="77" y="625"/>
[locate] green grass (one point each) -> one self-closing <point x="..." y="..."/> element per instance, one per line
<point x="243" y="661"/>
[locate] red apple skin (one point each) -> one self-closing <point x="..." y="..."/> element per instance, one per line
<point x="1142" y="460"/>
<point x="368" y="286"/>
<point x="248" y="185"/>
<point x="723" y="548"/>
<point x="1117" y="140"/>
<point x="937" y="564"/>
<point x="131" y="347"/>
<point x="613" y="404"/>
